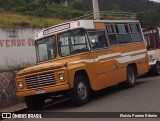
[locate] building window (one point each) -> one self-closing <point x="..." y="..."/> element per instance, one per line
<point x="13" y="33"/>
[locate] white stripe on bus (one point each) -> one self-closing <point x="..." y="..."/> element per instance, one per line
<point x="126" y="57"/>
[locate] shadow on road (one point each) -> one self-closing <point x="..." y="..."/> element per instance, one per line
<point x="148" y="75"/>
<point x="113" y="90"/>
<point x="94" y="97"/>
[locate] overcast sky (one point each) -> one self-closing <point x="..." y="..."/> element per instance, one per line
<point x="155" y="0"/>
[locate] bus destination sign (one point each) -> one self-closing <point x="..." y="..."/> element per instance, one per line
<point x="56" y="29"/>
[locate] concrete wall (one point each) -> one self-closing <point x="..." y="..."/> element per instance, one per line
<point x="17" y="46"/>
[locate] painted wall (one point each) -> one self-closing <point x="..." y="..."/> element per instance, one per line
<point x="17" y="46"/>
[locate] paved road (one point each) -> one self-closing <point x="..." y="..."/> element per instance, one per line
<point x="144" y="97"/>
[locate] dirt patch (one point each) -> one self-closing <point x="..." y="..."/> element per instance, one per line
<point x="8" y="90"/>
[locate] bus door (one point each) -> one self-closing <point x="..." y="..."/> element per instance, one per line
<point x="103" y="58"/>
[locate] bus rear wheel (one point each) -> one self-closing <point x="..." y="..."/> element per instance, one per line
<point x="131" y="77"/>
<point x="156" y="69"/>
<point x="79" y="94"/>
<point x="35" y="102"/>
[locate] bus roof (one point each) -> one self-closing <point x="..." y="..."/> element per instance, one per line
<point x="86" y="24"/>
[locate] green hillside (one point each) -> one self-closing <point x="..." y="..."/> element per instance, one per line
<point x="42" y="13"/>
<point x="8" y="19"/>
<point x="148" y="12"/>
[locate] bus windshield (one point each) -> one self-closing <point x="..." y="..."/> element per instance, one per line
<point x="46" y="49"/>
<point x="73" y="42"/>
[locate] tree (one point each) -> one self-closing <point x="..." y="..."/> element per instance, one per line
<point x="78" y="4"/>
<point x="57" y="1"/>
<point x="43" y="4"/>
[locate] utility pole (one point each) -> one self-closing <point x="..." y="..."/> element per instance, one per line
<point x="96" y="9"/>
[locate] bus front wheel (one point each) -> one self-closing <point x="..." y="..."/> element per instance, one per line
<point x="79" y="94"/>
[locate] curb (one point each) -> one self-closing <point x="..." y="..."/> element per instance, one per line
<point x="25" y="109"/>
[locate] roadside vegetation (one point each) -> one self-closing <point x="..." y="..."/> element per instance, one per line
<point x="8" y="19"/>
<point x="44" y="13"/>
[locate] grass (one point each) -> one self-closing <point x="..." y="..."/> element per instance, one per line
<point x="8" y="19"/>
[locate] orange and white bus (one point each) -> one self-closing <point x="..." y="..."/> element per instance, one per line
<point x="78" y="56"/>
<point x="152" y="37"/>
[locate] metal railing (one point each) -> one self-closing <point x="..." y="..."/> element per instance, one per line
<point x="117" y="15"/>
<point x="84" y="17"/>
<point x="108" y="15"/>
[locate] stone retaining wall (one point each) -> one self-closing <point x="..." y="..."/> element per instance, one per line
<point x="8" y="90"/>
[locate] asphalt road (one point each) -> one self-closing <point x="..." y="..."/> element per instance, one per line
<point x="144" y="97"/>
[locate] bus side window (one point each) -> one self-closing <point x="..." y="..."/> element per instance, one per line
<point x="123" y="34"/>
<point x="136" y="33"/>
<point x="102" y="39"/>
<point x="97" y="39"/>
<point x="111" y="34"/>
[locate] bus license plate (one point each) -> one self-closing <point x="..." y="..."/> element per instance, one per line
<point x="40" y="91"/>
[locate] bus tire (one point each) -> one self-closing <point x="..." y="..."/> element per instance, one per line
<point x="156" y="69"/>
<point x="131" y="77"/>
<point x="34" y="102"/>
<point x="79" y="94"/>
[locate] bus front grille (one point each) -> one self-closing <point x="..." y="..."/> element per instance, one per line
<point x="40" y="80"/>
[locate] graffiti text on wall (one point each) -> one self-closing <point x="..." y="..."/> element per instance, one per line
<point x="16" y="43"/>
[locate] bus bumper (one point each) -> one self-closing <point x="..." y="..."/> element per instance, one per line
<point x="43" y="90"/>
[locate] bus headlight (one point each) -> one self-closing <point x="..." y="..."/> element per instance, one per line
<point x="20" y="84"/>
<point x="150" y="57"/>
<point x="61" y="76"/>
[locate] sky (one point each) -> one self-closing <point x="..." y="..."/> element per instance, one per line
<point x="155" y="0"/>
